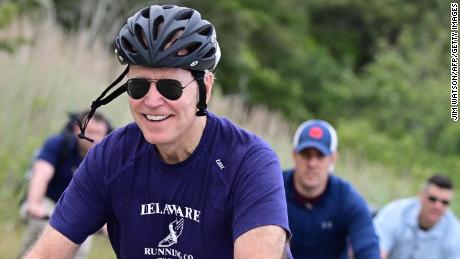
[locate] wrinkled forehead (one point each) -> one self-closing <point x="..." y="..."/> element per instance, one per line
<point x="153" y="73"/>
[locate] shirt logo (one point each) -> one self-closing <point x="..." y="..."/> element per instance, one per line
<point x="169" y="246"/>
<point x="316" y="133"/>
<point x="175" y="230"/>
<point x="220" y="164"/>
<point x="326" y="225"/>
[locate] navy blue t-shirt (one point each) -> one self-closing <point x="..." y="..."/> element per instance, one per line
<point x="197" y="208"/>
<point x="325" y="229"/>
<point x="64" y="166"/>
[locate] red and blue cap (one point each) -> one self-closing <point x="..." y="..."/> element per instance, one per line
<point x="317" y="134"/>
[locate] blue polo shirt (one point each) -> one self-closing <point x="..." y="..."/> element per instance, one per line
<point x="338" y="218"/>
<point x="64" y="167"/>
<point x="197" y="208"/>
<point x="399" y="233"/>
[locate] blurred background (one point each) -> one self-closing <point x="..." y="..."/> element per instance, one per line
<point x="377" y="70"/>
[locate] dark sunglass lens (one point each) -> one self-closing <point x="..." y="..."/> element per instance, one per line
<point x="169" y="88"/>
<point x="138" y="87"/>
<point x="435" y="199"/>
<point x="432" y="198"/>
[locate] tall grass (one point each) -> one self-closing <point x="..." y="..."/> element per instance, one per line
<point x="56" y="73"/>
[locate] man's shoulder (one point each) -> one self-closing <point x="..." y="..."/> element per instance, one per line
<point x="402" y="203"/>
<point x="233" y="137"/>
<point x="338" y="181"/>
<point x="399" y="208"/>
<point x="55" y="146"/>
<point x="54" y="140"/>
<point x="341" y="187"/>
<point x="229" y="128"/>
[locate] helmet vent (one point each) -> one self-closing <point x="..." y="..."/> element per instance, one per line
<point x="173" y="36"/>
<point x="206" y="30"/>
<point x="128" y="46"/>
<point x="146" y="13"/>
<point x="140" y="35"/>
<point x="184" y="15"/>
<point x="165" y="7"/>
<point x="156" y="26"/>
<point x="189" y="49"/>
<point x="210" y="53"/>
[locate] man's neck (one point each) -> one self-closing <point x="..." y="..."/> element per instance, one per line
<point x="424" y="224"/>
<point x="183" y="148"/>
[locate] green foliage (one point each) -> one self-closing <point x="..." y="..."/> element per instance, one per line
<point x="8" y="12"/>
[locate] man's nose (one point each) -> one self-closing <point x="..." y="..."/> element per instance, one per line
<point x="312" y="161"/>
<point x="153" y="97"/>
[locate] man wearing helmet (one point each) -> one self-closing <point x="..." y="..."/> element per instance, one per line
<point x="179" y="182"/>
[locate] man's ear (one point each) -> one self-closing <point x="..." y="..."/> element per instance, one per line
<point x="76" y="129"/>
<point x="334" y="157"/>
<point x="208" y="82"/>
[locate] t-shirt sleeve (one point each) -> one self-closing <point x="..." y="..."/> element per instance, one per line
<point x="259" y="197"/>
<point x="81" y="210"/>
<point x="361" y="231"/>
<point x="50" y="150"/>
<point x="385" y="227"/>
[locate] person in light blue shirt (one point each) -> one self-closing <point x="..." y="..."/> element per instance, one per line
<point x="420" y="227"/>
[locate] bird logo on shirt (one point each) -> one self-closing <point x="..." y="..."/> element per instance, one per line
<point x="175" y="230"/>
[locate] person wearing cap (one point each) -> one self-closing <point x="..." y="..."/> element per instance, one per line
<point x="421" y="227"/>
<point x="179" y="182"/>
<point x="326" y="214"/>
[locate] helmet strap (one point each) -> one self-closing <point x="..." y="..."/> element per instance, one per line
<point x="102" y="101"/>
<point x="201" y="106"/>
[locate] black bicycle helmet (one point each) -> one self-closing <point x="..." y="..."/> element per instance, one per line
<point x="164" y="36"/>
<point x="168" y="36"/>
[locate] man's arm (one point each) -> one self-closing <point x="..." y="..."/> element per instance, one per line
<point x="42" y="172"/>
<point x="361" y="232"/>
<point x="263" y="242"/>
<point x="52" y="244"/>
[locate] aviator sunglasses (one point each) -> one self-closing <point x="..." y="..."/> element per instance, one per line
<point x="434" y="199"/>
<point x="170" y="89"/>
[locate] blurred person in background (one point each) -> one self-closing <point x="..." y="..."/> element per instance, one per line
<point x="51" y="173"/>
<point x="421" y="227"/>
<point x="326" y="214"/>
<point x="179" y="181"/>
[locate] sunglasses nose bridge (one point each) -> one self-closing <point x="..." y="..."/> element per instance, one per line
<point x="153" y="97"/>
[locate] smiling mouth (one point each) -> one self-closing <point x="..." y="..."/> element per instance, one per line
<point x="156" y="118"/>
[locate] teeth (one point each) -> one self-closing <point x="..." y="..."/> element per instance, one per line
<point x="156" y="117"/>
